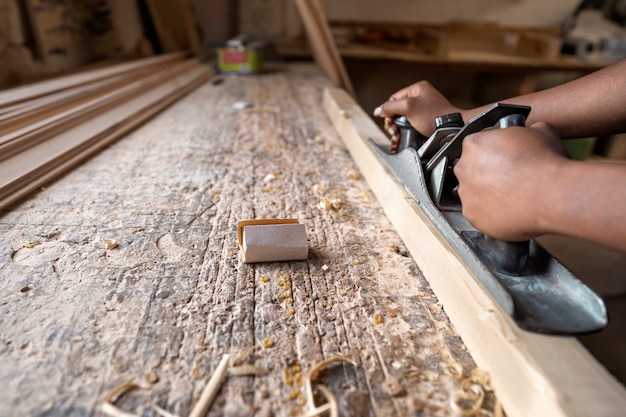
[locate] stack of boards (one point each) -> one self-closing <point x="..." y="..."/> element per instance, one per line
<point x="46" y="128"/>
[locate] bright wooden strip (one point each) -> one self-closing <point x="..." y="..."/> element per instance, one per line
<point x="533" y="374"/>
<point x="28" y="112"/>
<point x="212" y="388"/>
<point x="30" y="169"/>
<point x="71" y="113"/>
<point x="31" y="91"/>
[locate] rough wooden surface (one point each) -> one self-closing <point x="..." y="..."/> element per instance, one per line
<point x="163" y="307"/>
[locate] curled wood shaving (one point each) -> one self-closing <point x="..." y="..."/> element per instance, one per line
<point x="320" y="366"/>
<point x="109" y="408"/>
<point x="469" y="401"/>
<point x="208" y="394"/>
<point x="312" y="375"/>
<point x="331" y="201"/>
<point x="455" y="369"/>
<point x="210" y="391"/>
<point x="481" y="377"/>
<point x="331" y="402"/>
<point x="319" y="410"/>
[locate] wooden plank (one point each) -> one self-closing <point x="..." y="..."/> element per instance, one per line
<point x="323" y="45"/>
<point x="31" y="168"/>
<point x="533" y="374"/>
<point x="32" y="111"/>
<point x="164" y="306"/>
<point x="69" y="114"/>
<point x="38" y="89"/>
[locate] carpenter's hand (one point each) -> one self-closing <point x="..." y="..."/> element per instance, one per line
<point x="421" y="103"/>
<point x="503" y="176"/>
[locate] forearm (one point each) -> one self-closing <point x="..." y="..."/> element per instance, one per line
<point x="586" y="200"/>
<point x="592" y="105"/>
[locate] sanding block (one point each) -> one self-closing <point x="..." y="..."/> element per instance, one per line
<point x="272" y="240"/>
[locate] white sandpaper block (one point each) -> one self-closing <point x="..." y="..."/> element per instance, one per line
<point x="272" y="240"/>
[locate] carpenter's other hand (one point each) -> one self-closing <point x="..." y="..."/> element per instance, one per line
<point x="421" y="103"/>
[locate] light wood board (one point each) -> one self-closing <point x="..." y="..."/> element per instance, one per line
<point x="533" y="374"/>
<point x="53" y="148"/>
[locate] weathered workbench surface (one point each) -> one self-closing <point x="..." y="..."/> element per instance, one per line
<point x="78" y="318"/>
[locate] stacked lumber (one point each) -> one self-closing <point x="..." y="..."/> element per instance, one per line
<point x="48" y="127"/>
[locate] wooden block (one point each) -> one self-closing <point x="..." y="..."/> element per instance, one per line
<point x="272" y="240"/>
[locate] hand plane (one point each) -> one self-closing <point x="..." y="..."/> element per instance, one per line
<point x="533" y="287"/>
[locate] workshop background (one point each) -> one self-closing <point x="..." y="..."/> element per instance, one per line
<point x="470" y="50"/>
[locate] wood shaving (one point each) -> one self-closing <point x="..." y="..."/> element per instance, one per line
<point x="31" y="245"/>
<point x="469" y="400"/>
<point x="454" y="369"/>
<point x="210" y="391"/>
<point x="243" y="355"/>
<point x="109" y="243"/>
<point x="331" y="404"/>
<point x="270" y="177"/>
<point x="108" y="406"/>
<point x="331" y="202"/>
<point x="318" y="189"/>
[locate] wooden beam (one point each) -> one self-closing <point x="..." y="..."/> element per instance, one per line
<point x="42" y="88"/>
<point x="532" y="374"/>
